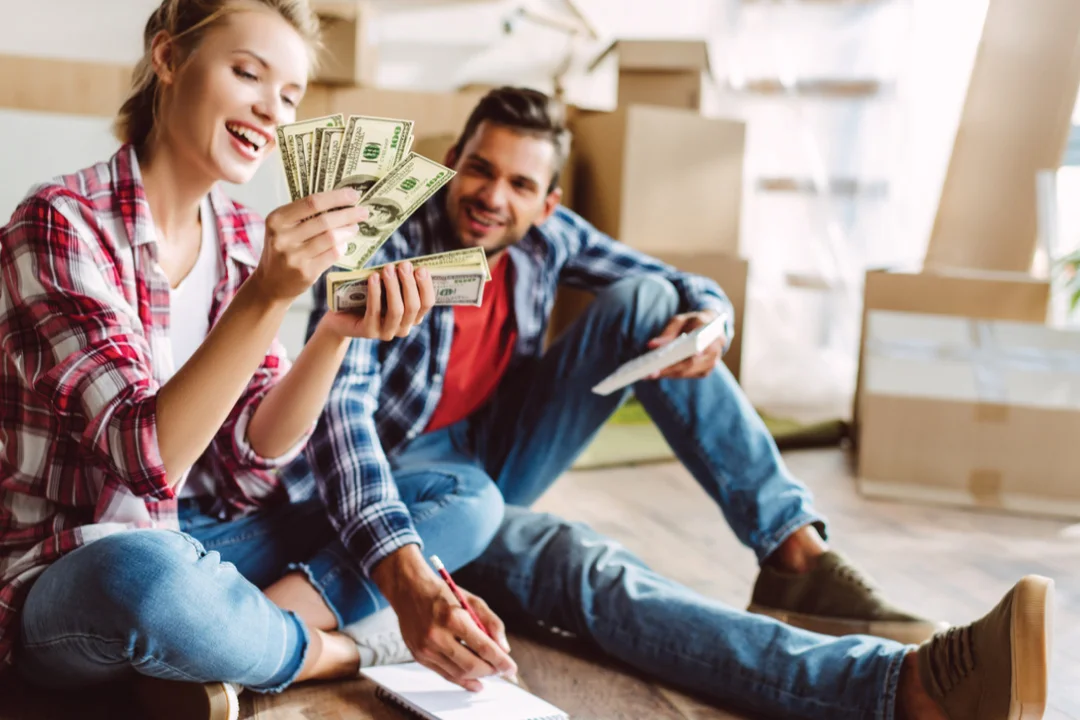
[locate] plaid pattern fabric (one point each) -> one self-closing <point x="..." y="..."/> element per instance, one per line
<point x="84" y="347"/>
<point x="385" y="393"/>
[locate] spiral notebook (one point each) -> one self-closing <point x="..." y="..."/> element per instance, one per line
<point x="425" y="694"/>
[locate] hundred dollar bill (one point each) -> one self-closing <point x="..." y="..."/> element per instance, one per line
<point x="469" y="260"/>
<point x="327" y="148"/>
<point x="302" y="161"/>
<point x="452" y="287"/>
<point x="286" y="135"/>
<point x="371" y="147"/>
<point x="391" y="201"/>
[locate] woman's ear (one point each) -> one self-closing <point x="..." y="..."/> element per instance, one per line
<point x="163" y="55"/>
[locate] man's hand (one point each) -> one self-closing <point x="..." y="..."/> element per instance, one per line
<point x="697" y="366"/>
<point x="436" y="629"/>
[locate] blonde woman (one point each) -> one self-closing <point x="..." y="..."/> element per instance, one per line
<point x="146" y="402"/>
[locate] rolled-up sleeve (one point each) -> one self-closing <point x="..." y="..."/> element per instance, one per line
<point x="77" y="341"/>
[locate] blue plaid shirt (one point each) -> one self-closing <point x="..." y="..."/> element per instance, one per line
<point x="386" y="392"/>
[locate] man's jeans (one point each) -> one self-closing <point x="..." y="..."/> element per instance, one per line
<point x="540" y="570"/>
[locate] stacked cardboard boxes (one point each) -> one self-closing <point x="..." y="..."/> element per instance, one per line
<point x="350" y="53"/>
<point x="668" y="182"/>
<point x="671" y="73"/>
<point x="965" y="395"/>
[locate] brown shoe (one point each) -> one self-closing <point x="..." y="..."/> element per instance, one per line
<point x="996" y="668"/>
<point x="170" y="700"/>
<point x="835" y="598"/>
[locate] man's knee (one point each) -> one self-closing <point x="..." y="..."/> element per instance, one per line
<point x="482" y="502"/>
<point x="644" y="303"/>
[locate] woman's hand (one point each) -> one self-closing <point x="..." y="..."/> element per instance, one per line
<point x="407" y="295"/>
<point x="303" y="239"/>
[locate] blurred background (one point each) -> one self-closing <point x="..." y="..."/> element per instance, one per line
<point x="850" y="111"/>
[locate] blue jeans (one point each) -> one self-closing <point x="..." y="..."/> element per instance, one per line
<point x="545" y="572"/>
<point x="188" y="605"/>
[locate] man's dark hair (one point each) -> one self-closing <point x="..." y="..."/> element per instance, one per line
<point x="528" y="112"/>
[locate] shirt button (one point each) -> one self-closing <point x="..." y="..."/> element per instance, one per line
<point x="436" y="378"/>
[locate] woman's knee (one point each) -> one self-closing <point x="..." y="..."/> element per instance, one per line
<point x="122" y="574"/>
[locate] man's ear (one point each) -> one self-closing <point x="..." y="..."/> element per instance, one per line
<point x="550" y="203"/>
<point x="163" y="56"/>
<point x="451" y="157"/>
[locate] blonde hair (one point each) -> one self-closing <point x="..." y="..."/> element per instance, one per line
<point x="186" y="22"/>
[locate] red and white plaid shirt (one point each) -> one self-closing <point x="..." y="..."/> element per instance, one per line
<point x="84" y="347"/>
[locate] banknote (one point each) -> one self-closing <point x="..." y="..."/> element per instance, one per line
<point x="327" y="149"/>
<point x="469" y="260"/>
<point x="390" y="202"/>
<point x="452" y="287"/>
<point x="288" y="142"/>
<point x="370" y="148"/>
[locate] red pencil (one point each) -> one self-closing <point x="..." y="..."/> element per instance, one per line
<point x="441" y="569"/>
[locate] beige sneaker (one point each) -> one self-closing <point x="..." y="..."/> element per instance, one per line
<point x="996" y="668"/>
<point x="836" y="598"/>
<point x="171" y="700"/>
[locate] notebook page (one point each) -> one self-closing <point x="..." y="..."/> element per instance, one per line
<point x="500" y="699"/>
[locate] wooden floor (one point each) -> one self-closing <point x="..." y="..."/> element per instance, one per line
<point x="951" y="564"/>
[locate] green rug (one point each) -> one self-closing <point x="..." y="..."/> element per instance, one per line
<point x="631" y="438"/>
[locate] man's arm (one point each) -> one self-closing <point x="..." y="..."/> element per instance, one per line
<point x="352" y="472"/>
<point x="357" y="486"/>
<point x="596" y="260"/>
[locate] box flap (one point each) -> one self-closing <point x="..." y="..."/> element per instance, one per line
<point x="658" y="55"/>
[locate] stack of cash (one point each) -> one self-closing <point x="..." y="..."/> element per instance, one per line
<point x="458" y="278"/>
<point x="373" y="156"/>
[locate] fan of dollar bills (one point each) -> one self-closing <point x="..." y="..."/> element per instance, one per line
<point x="373" y="156"/>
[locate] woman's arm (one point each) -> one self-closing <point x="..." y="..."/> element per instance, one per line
<point x="193" y="405"/>
<point x="291" y="407"/>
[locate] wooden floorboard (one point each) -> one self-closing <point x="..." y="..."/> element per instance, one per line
<point x="952" y="564"/>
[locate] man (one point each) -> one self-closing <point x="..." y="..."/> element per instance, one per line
<point x="417" y="433"/>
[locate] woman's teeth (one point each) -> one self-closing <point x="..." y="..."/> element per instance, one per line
<point x="256" y="140"/>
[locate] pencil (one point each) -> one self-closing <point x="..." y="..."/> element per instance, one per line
<point x="441" y="569"/>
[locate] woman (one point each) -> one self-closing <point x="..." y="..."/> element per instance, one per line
<point x="141" y="374"/>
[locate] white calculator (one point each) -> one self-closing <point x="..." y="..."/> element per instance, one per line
<point x="682" y="347"/>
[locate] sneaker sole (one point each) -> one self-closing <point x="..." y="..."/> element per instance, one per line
<point x="169" y="700"/>
<point x="1032" y="621"/>
<point x="907" y="633"/>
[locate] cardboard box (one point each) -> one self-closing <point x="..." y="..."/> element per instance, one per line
<point x="968" y="412"/>
<point x="63" y="86"/>
<point x="671" y="73"/>
<point x="661" y="179"/>
<point x="1015" y="122"/>
<point x="434" y="113"/>
<point x="978" y="294"/>
<point x="350" y="53"/>
<point x="729" y="272"/>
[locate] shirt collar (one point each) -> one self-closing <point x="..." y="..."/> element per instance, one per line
<point x="130" y="194"/>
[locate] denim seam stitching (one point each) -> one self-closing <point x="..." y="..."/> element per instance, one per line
<point x="743" y="674"/>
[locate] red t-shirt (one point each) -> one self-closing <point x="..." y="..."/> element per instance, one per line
<point x="484" y="339"/>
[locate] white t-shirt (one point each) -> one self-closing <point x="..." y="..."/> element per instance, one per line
<point x="189" y="319"/>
